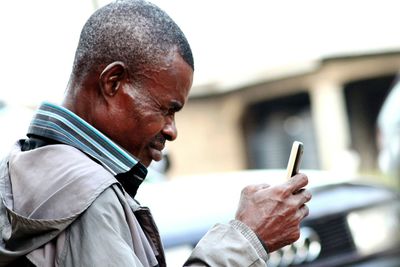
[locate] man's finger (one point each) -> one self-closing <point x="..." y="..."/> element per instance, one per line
<point x="302" y="196"/>
<point x="297" y="182"/>
<point x="304" y="211"/>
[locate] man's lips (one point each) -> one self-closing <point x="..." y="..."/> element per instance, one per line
<point x="157" y="145"/>
<point x="156" y="149"/>
<point x="158" y="142"/>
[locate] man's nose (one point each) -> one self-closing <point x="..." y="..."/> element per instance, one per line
<point x="170" y="132"/>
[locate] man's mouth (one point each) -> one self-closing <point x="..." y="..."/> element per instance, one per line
<point x="156" y="148"/>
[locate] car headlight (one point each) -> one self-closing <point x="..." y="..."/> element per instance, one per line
<point x="304" y="250"/>
<point x="375" y="229"/>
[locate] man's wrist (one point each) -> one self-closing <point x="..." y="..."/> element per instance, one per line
<point x="251" y="236"/>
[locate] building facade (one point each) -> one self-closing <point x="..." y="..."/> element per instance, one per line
<point x="330" y="105"/>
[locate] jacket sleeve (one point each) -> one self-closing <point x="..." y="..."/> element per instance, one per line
<point x="232" y="244"/>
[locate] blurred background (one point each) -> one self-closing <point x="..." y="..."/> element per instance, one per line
<point x="267" y="73"/>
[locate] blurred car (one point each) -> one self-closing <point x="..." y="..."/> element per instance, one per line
<point x="350" y="223"/>
<point x="389" y="134"/>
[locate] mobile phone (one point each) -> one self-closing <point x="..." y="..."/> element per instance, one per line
<point x="295" y="159"/>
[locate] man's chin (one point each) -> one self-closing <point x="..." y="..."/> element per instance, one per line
<point x="146" y="162"/>
<point x="153" y="155"/>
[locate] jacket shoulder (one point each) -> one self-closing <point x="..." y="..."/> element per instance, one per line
<point x="55" y="181"/>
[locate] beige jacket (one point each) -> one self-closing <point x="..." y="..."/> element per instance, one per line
<point x="61" y="208"/>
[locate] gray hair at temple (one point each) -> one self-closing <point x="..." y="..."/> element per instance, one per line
<point x="132" y="31"/>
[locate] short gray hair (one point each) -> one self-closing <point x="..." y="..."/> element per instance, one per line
<point x="133" y="31"/>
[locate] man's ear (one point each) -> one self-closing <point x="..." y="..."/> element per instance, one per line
<point x="112" y="76"/>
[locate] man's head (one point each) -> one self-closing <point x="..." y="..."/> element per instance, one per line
<point x="133" y="70"/>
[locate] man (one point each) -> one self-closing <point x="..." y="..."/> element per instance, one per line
<point x="68" y="189"/>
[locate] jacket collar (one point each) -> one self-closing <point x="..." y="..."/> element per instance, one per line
<point x="60" y="124"/>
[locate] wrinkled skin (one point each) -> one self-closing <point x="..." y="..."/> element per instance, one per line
<point x="274" y="213"/>
<point x="137" y="115"/>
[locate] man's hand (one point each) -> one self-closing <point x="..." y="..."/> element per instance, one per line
<point x="274" y="213"/>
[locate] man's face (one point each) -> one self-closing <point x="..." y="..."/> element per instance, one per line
<point x="141" y="118"/>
